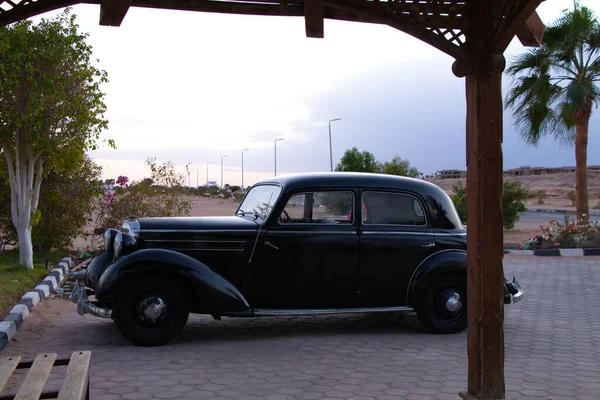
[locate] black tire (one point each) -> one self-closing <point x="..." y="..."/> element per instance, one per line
<point x="151" y="294"/>
<point x="437" y="312"/>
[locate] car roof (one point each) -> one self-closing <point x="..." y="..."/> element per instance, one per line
<point x="349" y="179"/>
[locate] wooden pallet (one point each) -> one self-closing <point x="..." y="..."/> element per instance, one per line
<point x="74" y="387"/>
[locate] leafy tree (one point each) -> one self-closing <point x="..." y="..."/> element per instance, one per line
<point x="357" y="161"/>
<point x="556" y="87"/>
<point x="60" y="221"/>
<point x="514" y="195"/>
<point x="51" y="110"/>
<point x="401" y="167"/>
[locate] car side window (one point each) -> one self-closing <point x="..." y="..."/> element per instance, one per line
<point x="381" y="208"/>
<point x="330" y="207"/>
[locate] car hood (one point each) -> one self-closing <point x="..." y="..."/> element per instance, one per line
<point x="173" y="224"/>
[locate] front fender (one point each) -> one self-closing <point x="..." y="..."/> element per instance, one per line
<point x="440" y="263"/>
<point x="214" y="293"/>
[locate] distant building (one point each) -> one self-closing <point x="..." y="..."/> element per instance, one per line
<point x="528" y="171"/>
<point x="450" y="174"/>
<point x="521" y="171"/>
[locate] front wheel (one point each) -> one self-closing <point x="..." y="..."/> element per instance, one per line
<point x="151" y="312"/>
<point x="444" y="307"/>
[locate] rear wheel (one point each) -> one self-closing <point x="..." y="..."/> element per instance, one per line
<point x="444" y="306"/>
<point x="151" y="312"/>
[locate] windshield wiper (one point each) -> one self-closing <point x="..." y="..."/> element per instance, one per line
<point x="244" y="213"/>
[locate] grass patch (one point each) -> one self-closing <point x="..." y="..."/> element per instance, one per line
<point x="16" y="280"/>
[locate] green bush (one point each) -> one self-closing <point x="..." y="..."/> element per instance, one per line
<point x="541" y="195"/>
<point x="514" y="195"/>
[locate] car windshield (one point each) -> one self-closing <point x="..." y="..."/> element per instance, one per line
<point x="259" y="200"/>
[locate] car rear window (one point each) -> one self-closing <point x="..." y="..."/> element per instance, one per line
<point x="384" y="208"/>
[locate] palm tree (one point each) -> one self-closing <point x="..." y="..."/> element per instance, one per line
<point x="556" y="86"/>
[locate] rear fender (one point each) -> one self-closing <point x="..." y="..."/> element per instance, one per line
<point x="211" y="292"/>
<point x="438" y="264"/>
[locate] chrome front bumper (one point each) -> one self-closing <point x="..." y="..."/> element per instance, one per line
<point x="515" y="292"/>
<point x="85" y="306"/>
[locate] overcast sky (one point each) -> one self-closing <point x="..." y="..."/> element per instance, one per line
<point x="192" y="87"/>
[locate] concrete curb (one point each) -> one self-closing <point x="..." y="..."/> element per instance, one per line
<point x="559" y="211"/>
<point x="16" y="316"/>
<point x="555" y="252"/>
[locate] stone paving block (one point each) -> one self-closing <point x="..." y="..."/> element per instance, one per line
<point x="550" y="337"/>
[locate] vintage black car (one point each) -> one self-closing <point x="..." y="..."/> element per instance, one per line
<point x="297" y="245"/>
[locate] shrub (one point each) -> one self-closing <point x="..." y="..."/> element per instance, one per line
<point x="513" y="196"/>
<point x="164" y="198"/>
<point x="66" y="203"/>
<point x="572" y="195"/>
<point x="459" y="198"/>
<point x="541" y="195"/>
<point x="567" y="234"/>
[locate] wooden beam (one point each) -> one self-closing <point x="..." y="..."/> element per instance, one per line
<point x="531" y="33"/>
<point x="314" y="17"/>
<point x="112" y="12"/>
<point x="514" y="23"/>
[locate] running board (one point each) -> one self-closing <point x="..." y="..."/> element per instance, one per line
<point x="270" y="312"/>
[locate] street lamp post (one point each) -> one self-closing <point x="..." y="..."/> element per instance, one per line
<point x="222" y="157"/>
<point x="243" y="168"/>
<point x="276" y="140"/>
<point x="207" y="174"/>
<point x="330" y="150"/>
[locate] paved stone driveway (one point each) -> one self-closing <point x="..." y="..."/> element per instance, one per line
<point x="552" y="349"/>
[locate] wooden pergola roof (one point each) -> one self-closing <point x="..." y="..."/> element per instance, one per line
<point x="475" y="33"/>
<point x="440" y="23"/>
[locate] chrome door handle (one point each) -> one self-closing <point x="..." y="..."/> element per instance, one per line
<point x="428" y="245"/>
<point x="267" y="243"/>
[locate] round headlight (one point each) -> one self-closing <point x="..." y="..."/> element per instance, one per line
<point x="109" y="236"/>
<point x="118" y="244"/>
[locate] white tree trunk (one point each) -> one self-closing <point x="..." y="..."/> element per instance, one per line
<point x="25" y="247"/>
<point x="25" y="177"/>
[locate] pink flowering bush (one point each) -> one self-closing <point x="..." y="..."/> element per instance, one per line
<point x="567" y="234"/>
<point x="158" y="196"/>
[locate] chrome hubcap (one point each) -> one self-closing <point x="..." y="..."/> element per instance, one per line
<point x="153" y="309"/>
<point x="453" y="303"/>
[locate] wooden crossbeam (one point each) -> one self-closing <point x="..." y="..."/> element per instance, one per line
<point x="531" y="33"/>
<point x="112" y="12"/>
<point x="314" y="16"/>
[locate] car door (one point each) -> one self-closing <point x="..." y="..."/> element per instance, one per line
<point x="308" y="256"/>
<point x="395" y="238"/>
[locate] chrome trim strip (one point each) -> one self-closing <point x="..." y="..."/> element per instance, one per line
<point x="192" y="249"/>
<point x="352" y="232"/>
<point x="421" y="264"/>
<point x="397" y="233"/>
<point x="267" y="312"/>
<point x="193" y="241"/>
<point x="198" y="231"/>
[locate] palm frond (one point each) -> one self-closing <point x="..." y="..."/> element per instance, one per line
<point x="536" y="60"/>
